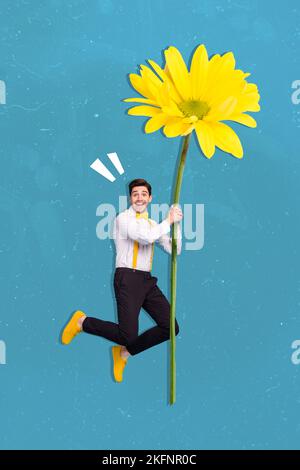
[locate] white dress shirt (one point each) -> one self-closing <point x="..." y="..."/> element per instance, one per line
<point x="135" y="234"/>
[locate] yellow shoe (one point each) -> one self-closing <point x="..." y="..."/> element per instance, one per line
<point x="72" y="329"/>
<point x="119" y="363"/>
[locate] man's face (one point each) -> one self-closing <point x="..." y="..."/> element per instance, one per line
<point x="140" y="198"/>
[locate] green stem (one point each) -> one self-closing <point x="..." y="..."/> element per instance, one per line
<point x="185" y="146"/>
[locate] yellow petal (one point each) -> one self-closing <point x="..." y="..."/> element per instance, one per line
<point x="139" y="100"/>
<point x="198" y="73"/>
<point x="214" y="64"/>
<point x="220" y="65"/>
<point x="218" y="70"/>
<point x="168" y="88"/>
<point x="155" y="123"/>
<point x="223" y="110"/>
<point x="251" y="87"/>
<point x="150" y="75"/>
<point x="190" y="129"/>
<point x="160" y="72"/>
<point x="138" y="84"/>
<point x="151" y="82"/>
<point x="249" y="102"/>
<point x="213" y="67"/>
<point x="174" y="127"/>
<point x="230" y="83"/>
<point x="172" y="110"/>
<point x="205" y="138"/>
<point x="250" y="98"/>
<point x="228" y="60"/>
<point x="178" y="71"/>
<point x="227" y="107"/>
<point x="244" y="119"/>
<point x="226" y="139"/>
<point x="143" y="111"/>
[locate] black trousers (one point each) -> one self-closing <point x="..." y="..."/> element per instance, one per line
<point x="135" y="289"/>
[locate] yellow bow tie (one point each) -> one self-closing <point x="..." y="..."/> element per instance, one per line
<point x="144" y="215"/>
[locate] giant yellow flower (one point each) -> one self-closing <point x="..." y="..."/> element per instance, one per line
<point x="182" y="101"/>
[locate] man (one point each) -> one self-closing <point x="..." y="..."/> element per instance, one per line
<point x="135" y="288"/>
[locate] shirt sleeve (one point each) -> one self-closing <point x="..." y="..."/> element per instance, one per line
<point x="166" y="241"/>
<point x="141" y="230"/>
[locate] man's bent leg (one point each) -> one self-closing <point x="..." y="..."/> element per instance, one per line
<point x="158" y="308"/>
<point x="130" y="295"/>
<point x="106" y="329"/>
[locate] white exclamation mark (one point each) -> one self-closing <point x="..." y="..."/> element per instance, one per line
<point x="98" y="166"/>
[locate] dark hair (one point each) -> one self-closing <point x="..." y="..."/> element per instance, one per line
<point x="139" y="182"/>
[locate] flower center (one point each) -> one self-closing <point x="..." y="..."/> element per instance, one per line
<point x="194" y="108"/>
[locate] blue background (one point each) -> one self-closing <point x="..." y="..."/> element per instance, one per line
<point x="65" y="65"/>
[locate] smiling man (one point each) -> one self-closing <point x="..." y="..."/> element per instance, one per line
<point x="135" y="287"/>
